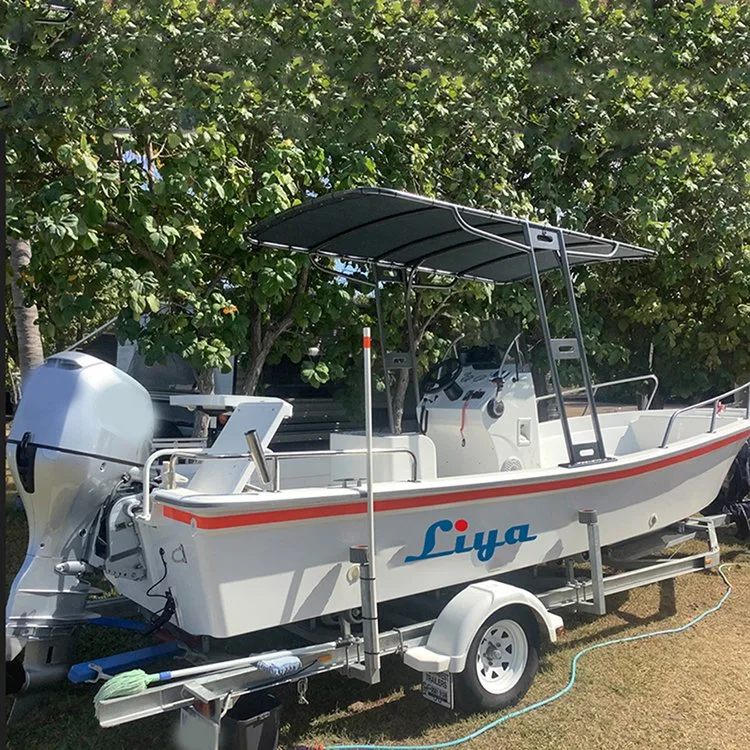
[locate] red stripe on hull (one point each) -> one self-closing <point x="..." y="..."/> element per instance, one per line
<point x="444" y="498"/>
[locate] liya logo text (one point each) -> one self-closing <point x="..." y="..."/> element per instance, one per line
<point x="441" y="540"/>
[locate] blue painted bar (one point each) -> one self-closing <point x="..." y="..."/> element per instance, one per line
<point x="122" y="662"/>
<point x="121" y="623"/>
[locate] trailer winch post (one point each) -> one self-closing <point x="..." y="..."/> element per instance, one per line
<point x="598" y="606"/>
<point x="365" y="556"/>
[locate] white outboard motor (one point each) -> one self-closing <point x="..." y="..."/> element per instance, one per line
<point x="80" y="426"/>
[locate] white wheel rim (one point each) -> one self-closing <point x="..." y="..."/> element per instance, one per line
<point x="501" y="657"/>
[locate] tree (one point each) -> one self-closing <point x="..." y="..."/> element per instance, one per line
<point x="637" y="128"/>
<point x="30" y="353"/>
<point x="138" y="173"/>
<point x="215" y="154"/>
<point x="158" y="205"/>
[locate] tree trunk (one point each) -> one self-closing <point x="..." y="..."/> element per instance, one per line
<point x="252" y="371"/>
<point x="251" y="374"/>
<point x="261" y="342"/>
<point x="259" y="348"/>
<point x="399" y="399"/>
<point x="201" y="420"/>
<point x="30" y="351"/>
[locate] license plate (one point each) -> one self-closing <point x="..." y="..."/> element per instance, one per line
<point x="438" y="688"/>
<point x="197" y="732"/>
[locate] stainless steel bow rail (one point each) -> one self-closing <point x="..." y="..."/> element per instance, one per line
<point x="714" y="404"/>
<point x="199" y="454"/>
<point x="597" y="386"/>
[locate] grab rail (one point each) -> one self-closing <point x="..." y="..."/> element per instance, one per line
<point x="597" y="386"/>
<point x="714" y="404"/>
<point x="198" y="454"/>
<point x="507" y="353"/>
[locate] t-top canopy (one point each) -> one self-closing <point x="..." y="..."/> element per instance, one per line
<point x="397" y="229"/>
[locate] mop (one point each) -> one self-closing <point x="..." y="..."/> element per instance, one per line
<point x="136" y="680"/>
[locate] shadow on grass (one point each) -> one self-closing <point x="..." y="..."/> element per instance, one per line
<point x="393" y="710"/>
<point x="732" y="547"/>
<point x="666" y="608"/>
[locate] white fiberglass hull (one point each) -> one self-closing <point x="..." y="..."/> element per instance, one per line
<point x="238" y="564"/>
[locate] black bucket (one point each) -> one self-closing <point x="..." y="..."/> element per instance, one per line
<point x="252" y="724"/>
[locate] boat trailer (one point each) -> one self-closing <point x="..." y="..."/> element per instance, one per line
<point x="204" y="700"/>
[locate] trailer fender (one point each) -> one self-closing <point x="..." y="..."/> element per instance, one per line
<point x="458" y="623"/>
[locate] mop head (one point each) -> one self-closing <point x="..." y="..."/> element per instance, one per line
<point x="282" y="666"/>
<point x="127" y="683"/>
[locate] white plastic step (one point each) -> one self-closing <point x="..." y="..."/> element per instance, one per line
<point x="424" y="659"/>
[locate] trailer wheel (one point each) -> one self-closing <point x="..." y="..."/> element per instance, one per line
<point x="502" y="661"/>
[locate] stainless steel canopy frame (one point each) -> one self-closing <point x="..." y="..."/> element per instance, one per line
<point x="387" y="228"/>
<point x="577" y="453"/>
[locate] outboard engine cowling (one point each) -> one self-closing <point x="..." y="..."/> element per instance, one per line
<point x="80" y="426"/>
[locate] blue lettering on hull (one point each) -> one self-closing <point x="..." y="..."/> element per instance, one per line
<point x="483" y="542"/>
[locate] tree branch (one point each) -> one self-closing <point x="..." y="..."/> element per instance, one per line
<point x="11" y="339"/>
<point x="434" y="315"/>
<point x="286" y="319"/>
<point x="150" y="163"/>
<point x="160" y="151"/>
<point x="217" y="278"/>
<point x="114" y="228"/>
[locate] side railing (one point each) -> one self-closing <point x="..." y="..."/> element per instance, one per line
<point x="597" y="386"/>
<point x="198" y="454"/>
<point x="715" y="403"/>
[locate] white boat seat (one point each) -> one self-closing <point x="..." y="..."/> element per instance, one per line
<point x="227" y="476"/>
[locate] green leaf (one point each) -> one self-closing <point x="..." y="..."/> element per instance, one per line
<point x="95" y="212"/>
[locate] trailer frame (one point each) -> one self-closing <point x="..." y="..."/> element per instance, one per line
<point x="205" y="699"/>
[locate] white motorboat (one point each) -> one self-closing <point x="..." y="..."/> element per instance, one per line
<point x="233" y="539"/>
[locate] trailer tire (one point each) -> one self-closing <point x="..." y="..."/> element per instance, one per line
<point x="501" y="663"/>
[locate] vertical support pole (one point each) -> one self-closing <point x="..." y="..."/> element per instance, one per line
<point x="368" y="672"/>
<point x="367" y="567"/>
<point x="383" y="350"/>
<point x="578" y="332"/>
<point x="570" y="573"/>
<point x="714" y="413"/>
<point x="548" y="343"/>
<point x="590" y="518"/>
<point x="409" y="283"/>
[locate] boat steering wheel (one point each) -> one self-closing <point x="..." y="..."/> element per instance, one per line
<point x="441" y="375"/>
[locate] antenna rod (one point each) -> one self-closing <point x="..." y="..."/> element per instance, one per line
<point x="370" y="600"/>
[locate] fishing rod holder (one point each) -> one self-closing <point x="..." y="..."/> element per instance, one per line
<point x="369" y="670"/>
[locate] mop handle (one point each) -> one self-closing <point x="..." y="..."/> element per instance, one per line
<point x="247" y="661"/>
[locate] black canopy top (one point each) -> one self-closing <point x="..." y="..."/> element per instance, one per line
<point x="397" y="229"/>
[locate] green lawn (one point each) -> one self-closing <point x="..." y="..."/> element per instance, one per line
<point x="687" y="691"/>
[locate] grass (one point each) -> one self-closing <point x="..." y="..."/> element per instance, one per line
<point x="680" y="691"/>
